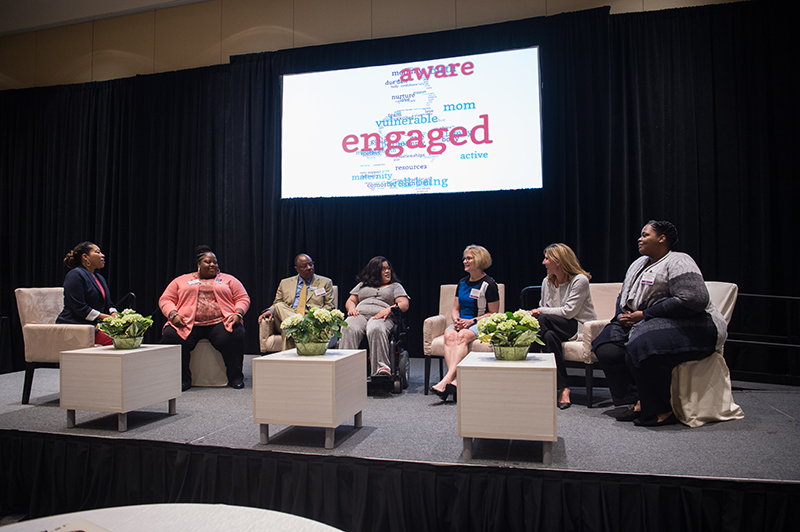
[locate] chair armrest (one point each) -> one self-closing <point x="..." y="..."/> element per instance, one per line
<point x="432" y="327"/>
<point x="45" y="341"/>
<point x="266" y="329"/>
<point x="591" y="329"/>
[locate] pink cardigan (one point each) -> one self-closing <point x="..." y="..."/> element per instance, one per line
<point x="182" y="297"/>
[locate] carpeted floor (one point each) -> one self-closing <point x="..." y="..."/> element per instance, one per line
<point x="415" y="427"/>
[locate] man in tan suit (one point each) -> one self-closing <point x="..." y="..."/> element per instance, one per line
<point x="318" y="293"/>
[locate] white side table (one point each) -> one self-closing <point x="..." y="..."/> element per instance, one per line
<point x="105" y="379"/>
<point x="501" y="399"/>
<point x="309" y="391"/>
<point x="175" y="517"/>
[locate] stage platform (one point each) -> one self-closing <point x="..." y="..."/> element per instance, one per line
<point x="761" y="449"/>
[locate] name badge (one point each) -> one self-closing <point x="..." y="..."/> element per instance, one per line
<point x="195" y="281"/>
<point x="648" y="278"/>
<point x="319" y="292"/>
<point x="475" y="293"/>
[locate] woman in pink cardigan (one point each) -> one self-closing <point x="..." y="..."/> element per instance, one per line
<point x="206" y="304"/>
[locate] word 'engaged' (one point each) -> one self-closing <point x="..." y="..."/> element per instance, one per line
<point x="458" y="136"/>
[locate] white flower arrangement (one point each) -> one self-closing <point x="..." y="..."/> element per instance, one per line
<point x="509" y="329"/>
<point x="318" y="325"/>
<point x="127" y="324"/>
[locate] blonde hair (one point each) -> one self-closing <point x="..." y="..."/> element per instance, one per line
<point x="482" y="257"/>
<point x="563" y="255"/>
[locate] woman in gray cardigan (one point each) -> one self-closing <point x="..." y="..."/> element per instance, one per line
<point x="664" y="317"/>
<point x="565" y="305"/>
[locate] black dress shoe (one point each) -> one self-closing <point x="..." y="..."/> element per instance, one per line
<point x="652" y="421"/>
<point x="451" y="388"/>
<point x="237" y="384"/>
<point x="564" y="406"/>
<point x="630" y="415"/>
<point x="185" y="385"/>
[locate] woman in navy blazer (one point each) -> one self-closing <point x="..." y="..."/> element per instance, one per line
<point x="87" y="299"/>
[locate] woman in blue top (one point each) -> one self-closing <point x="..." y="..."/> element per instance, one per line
<point x="87" y="299"/>
<point x="476" y="296"/>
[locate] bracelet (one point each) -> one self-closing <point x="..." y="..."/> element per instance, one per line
<point x="241" y="316"/>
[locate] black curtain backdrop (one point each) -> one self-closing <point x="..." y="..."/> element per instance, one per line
<point x="47" y="474"/>
<point x="688" y="115"/>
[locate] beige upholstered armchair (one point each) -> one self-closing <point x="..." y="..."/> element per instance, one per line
<point x="433" y="329"/>
<point x="44" y="338"/>
<point x="269" y="332"/>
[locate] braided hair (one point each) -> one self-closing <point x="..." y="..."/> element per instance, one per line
<point x="667" y="229"/>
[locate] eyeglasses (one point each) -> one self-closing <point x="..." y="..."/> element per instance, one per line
<point x="387" y="268"/>
<point x="306" y="266"/>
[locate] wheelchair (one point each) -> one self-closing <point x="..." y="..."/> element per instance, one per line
<point x="398" y="378"/>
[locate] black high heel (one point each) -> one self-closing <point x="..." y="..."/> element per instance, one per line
<point x="442" y="395"/>
<point x="452" y="388"/>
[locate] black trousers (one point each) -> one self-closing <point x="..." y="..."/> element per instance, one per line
<point x="229" y="344"/>
<point x="553" y="330"/>
<point x="650" y="382"/>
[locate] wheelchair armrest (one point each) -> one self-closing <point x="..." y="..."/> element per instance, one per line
<point x="400" y="327"/>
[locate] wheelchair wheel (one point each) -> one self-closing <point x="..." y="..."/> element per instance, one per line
<point x="404" y="369"/>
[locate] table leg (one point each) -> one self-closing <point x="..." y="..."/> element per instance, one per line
<point x="547" y="452"/>
<point x="122" y="422"/>
<point x="329" y="432"/>
<point x="173" y="406"/>
<point x="264" y="433"/>
<point x="467" y="449"/>
<point x="358" y="421"/>
<point x="70" y="419"/>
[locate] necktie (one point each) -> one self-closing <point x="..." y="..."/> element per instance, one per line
<point x="301" y="302"/>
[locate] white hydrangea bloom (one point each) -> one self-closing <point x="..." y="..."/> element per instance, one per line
<point x="291" y="321"/>
<point x="520" y="314"/>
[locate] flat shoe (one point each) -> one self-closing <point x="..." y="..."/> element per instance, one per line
<point x="630" y="415"/>
<point x="564" y="406"/>
<point x="237" y="384"/>
<point x="652" y="421"/>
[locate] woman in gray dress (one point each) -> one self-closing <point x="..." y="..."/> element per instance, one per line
<point x="369" y="311"/>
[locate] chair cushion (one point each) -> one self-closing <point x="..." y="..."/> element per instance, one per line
<point x="44" y="342"/>
<point x="573" y="351"/>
